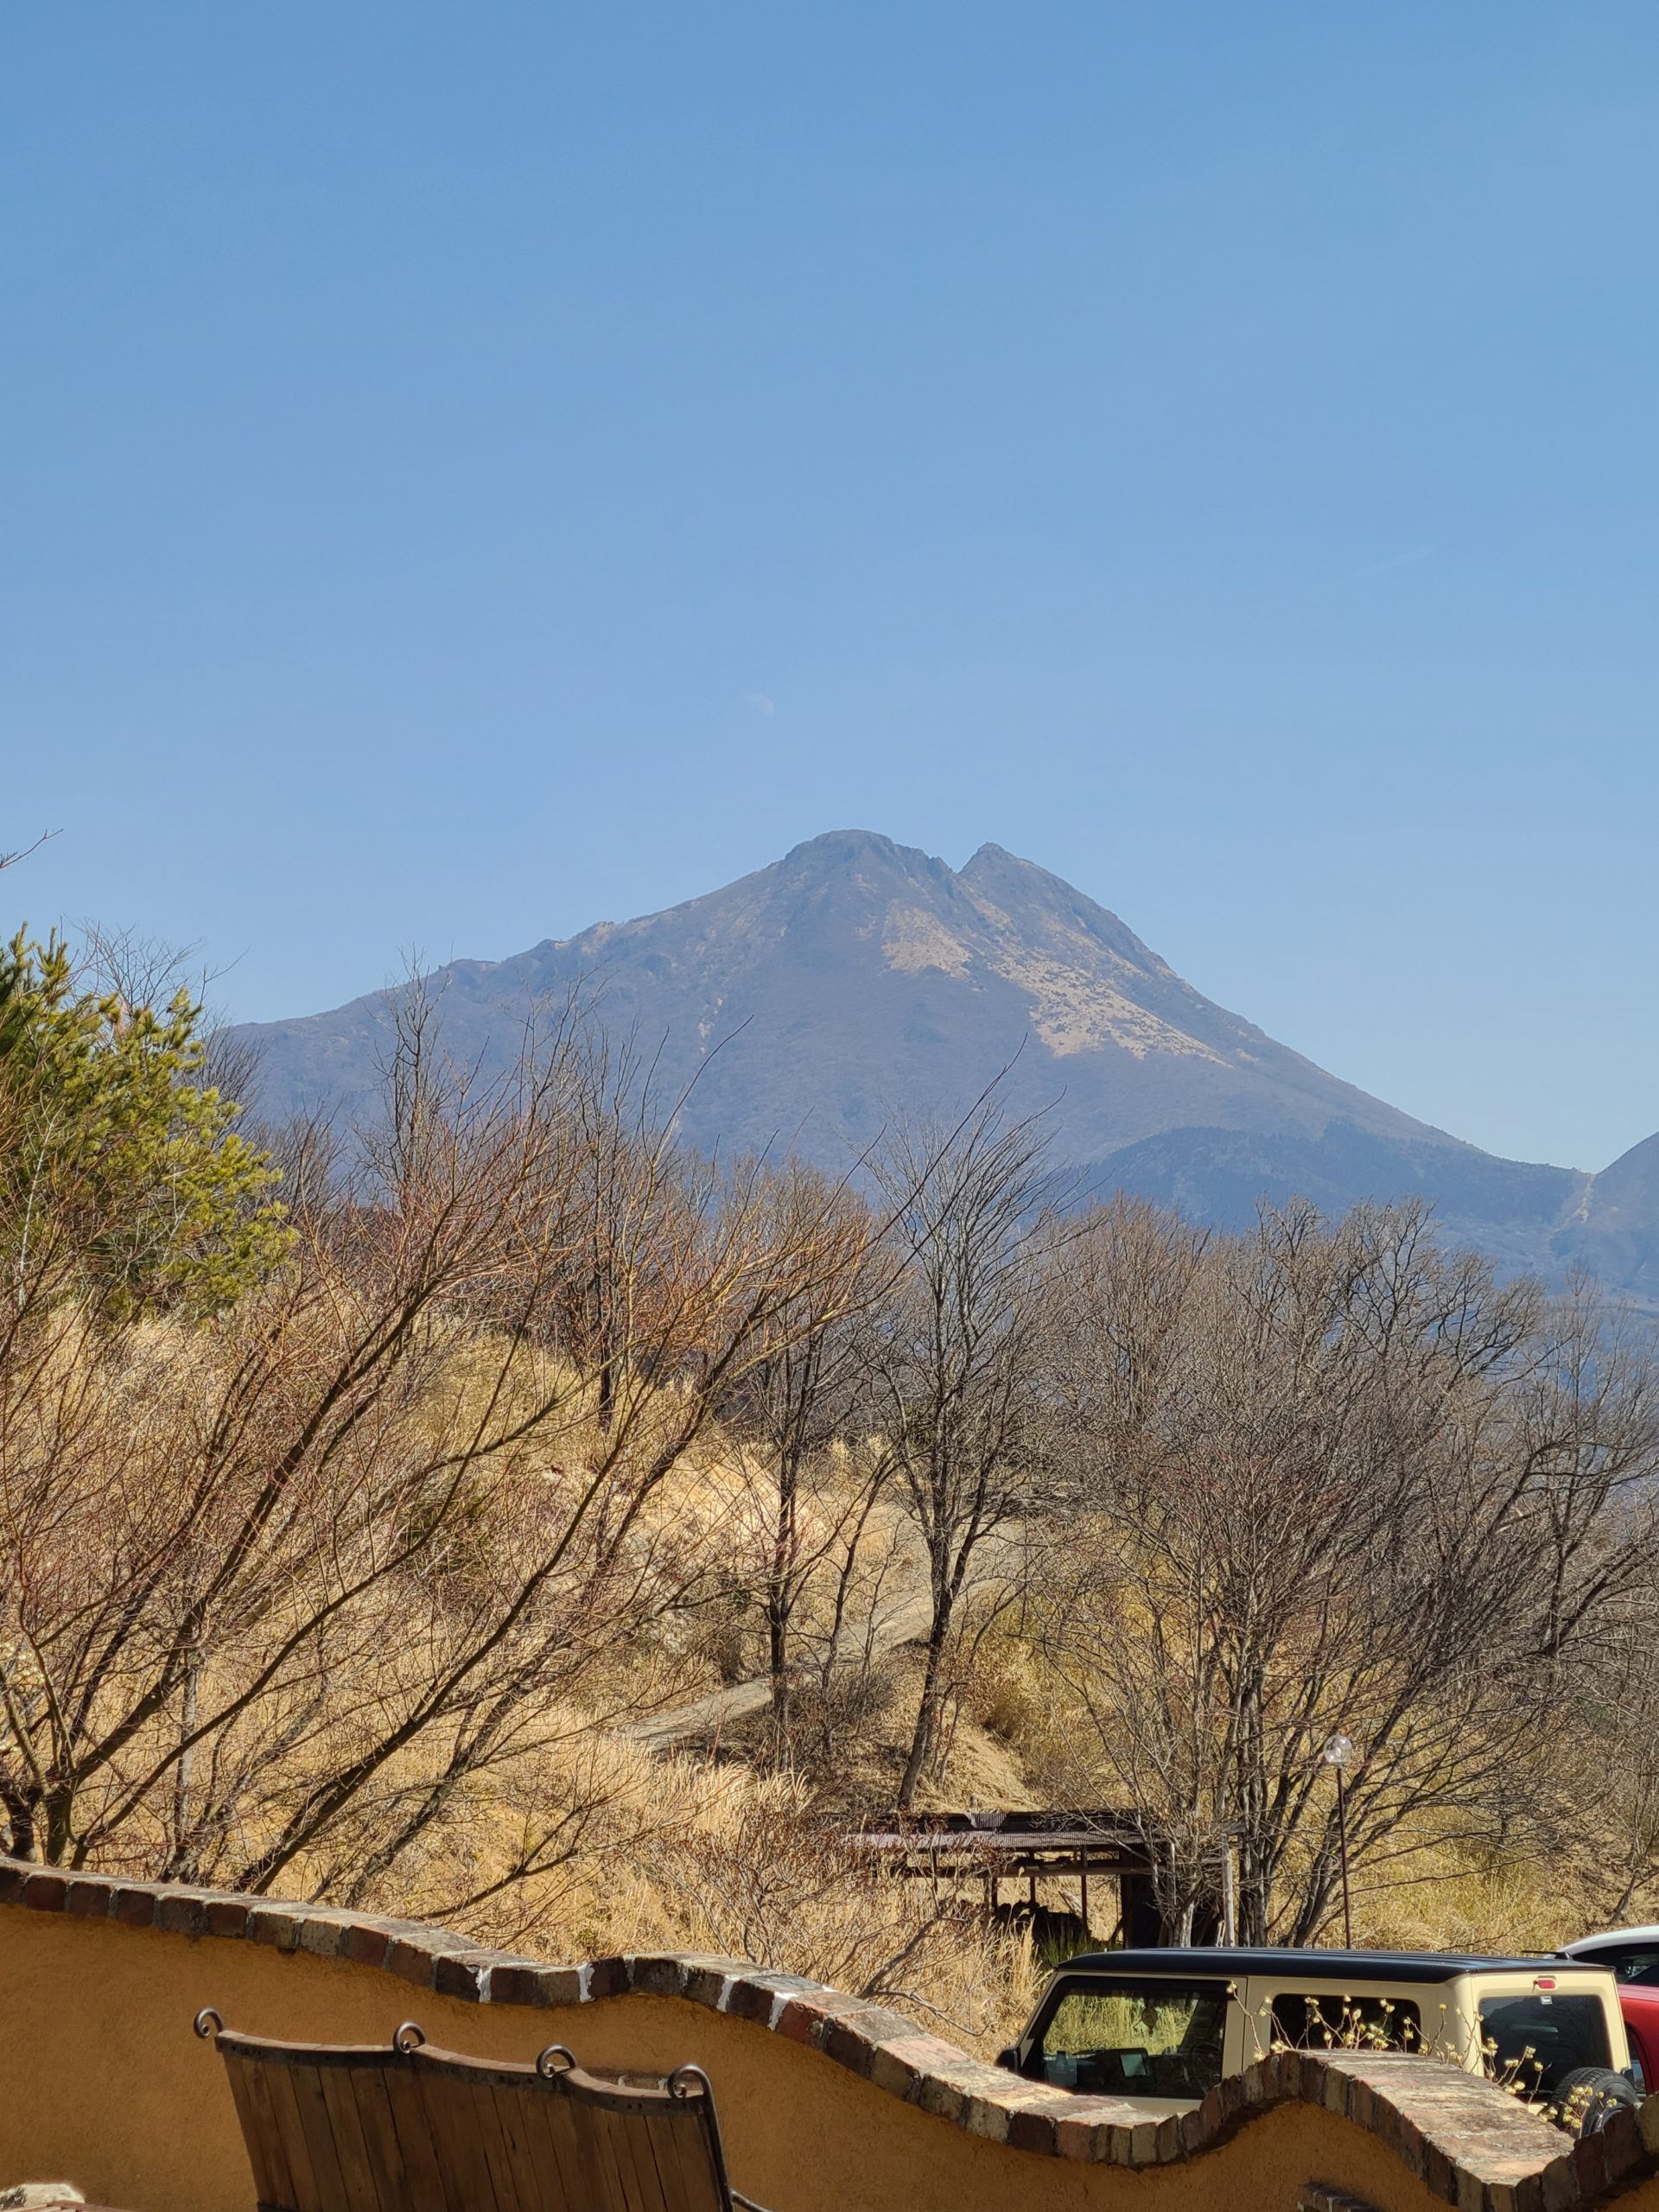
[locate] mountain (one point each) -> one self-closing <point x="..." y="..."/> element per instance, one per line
<point x="1613" y="1229"/>
<point x="856" y="979"/>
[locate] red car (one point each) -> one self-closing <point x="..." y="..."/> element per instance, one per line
<point x="1640" y="2006"/>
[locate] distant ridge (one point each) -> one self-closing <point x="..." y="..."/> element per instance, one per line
<point x="856" y="979"/>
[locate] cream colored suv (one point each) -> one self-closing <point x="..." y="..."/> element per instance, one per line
<point x="1163" y="2027"/>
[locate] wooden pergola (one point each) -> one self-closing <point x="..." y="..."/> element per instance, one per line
<point x="1098" y="1844"/>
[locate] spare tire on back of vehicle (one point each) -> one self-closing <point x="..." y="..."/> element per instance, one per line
<point x="1588" y="2096"/>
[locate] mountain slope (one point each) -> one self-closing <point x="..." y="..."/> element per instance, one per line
<point x="856" y="976"/>
<point x="856" y="979"/>
<point x="1613" y="1228"/>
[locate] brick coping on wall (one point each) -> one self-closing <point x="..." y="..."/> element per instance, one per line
<point x="1473" y="2145"/>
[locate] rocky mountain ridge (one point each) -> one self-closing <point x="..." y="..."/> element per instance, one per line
<point x="805" y="1005"/>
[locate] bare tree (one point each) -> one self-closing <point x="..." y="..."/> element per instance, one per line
<point x="22" y="852"/>
<point x="952" y="1366"/>
<point x="810" y="1490"/>
<point x="774" y="1881"/>
<point x="1321" y="1488"/>
<point x="281" y="1590"/>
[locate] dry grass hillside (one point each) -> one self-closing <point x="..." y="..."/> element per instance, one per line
<point x="732" y="1842"/>
<point x="525" y="1523"/>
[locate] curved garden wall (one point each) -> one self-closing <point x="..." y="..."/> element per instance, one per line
<point x="827" y="2104"/>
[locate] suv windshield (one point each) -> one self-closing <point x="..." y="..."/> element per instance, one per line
<point x="1114" y="2035"/>
<point x="1538" y="2039"/>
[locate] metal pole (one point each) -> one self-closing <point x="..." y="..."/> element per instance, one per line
<point x="1341" y="1838"/>
<point x="1083" y="1876"/>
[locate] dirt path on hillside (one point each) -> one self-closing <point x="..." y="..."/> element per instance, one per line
<point x="903" y="1617"/>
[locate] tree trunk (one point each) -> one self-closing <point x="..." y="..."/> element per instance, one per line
<point x="19" y="1816"/>
<point x="781" y="1597"/>
<point x="927" y="1714"/>
<point x="1254" y="1901"/>
<point x="778" y="1659"/>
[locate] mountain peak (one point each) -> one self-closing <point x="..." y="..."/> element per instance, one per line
<point x="832" y="845"/>
<point x="856" y="980"/>
<point x="865" y="976"/>
<point x="840" y="853"/>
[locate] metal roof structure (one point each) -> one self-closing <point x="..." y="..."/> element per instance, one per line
<point x="1098" y="1844"/>
<point x="1017" y="1842"/>
<point x="1313" y="1966"/>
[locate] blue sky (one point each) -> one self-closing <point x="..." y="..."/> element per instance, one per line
<point x="469" y="472"/>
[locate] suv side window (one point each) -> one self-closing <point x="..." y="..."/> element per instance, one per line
<point x="1310" y="2022"/>
<point x="1116" y="2035"/>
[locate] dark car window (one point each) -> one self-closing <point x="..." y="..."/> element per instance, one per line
<point x="1317" y="2023"/>
<point x="1637" y="1962"/>
<point x="1116" y="2035"/>
<point x="1538" y="2039"/>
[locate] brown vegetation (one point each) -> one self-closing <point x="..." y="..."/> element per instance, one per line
<point x="349" y="1579"/>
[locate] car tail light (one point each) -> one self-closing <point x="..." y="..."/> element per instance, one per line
<point x="1544" y="1982"/>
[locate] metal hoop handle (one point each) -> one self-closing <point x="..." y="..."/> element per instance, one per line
<point x="207" y="2022"/>
<point x="410" y="2036"/>
<point x="687" y="2082"/>
<point x="545" y="2060"/>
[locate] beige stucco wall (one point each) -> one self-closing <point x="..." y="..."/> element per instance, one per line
<point x="103" y="2084"/>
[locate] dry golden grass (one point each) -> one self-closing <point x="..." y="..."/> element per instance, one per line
<point x="623" y="1851"/>
<point x="677" y="1854"/>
